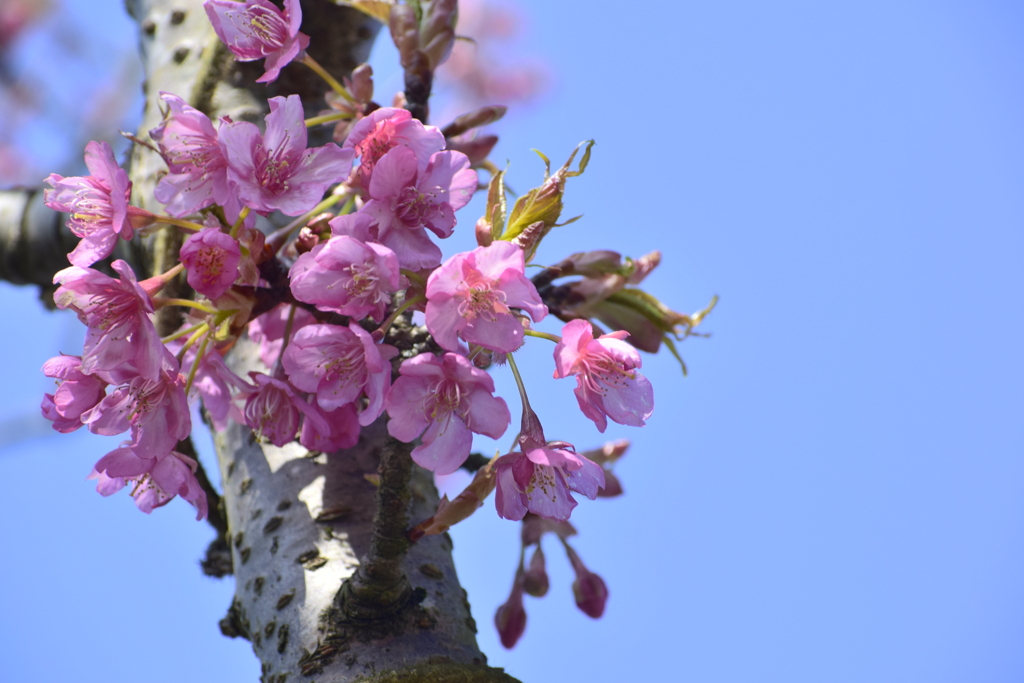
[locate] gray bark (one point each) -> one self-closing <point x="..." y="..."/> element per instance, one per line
<point x="298" y="527"/>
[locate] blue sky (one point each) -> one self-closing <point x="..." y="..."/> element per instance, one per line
<point x="834" y="493"/>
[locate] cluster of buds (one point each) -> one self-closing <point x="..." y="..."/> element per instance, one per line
<point x="531" y="579"/>
<point x="321" y="298"/>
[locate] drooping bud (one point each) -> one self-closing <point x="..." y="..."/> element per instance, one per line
<point x="360" y="86"/>
<point x="474" y="119"/>
<point x="588" y="588"/>
<point x="535" y="579"/>
<point x="510" y="619"/>
<point x="306" y="240"/>
<point x="476" y="147"/>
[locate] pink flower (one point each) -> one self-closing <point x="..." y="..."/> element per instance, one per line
<point x="607" y="383"/>
<point x="274" y="171"/>
<point x="198" y="175"/>
<point x="450" y="399"/>
<point x="405" y="200"/>
<point x="382" y="131"/>
<point x="347" y="276"/>
<point x="156" y="411"/>
<point x="343" y="430"/>
<point x="257" y="29"/>
<point x="268" y="329"/>
<point x="471" y="295"/>
<point x="339" y="365"/>
<point x="76" y="394"/>
<point x="98" y="204"/>
<point x="540" y="481"/>
<point x="211" y="258"/>
<point x="117" y="315"/>
<point x="157" y="480"/>
<point x="273" y="410"/>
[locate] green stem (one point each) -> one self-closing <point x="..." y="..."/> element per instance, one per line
<point x="192" y="340"/>
<point x="187" y="225"/>
<point x="386" y="325"/>
<point x="195" y="364"/>
<point x="181" y="333"/>
<point x="331" y="80"/>
<point x="241" y="220"/>
<point x="415" y="277"/>
<point x="160" y="302"/>
<point x="519" y="382"/>
<point x="542" y="335"/>
<point x="327" y="118"/>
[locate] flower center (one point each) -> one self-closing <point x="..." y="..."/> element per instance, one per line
<point x="414" y="207"/>
<point x="479" y="297"/>
<point x="267" y="27"/>
<point x="273" y="169"/>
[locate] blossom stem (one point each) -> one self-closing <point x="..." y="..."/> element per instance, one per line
<point x="238" y="223"/>
<point x="160" y="302"/>
<point x="327" y="118"/>
<point x="181" y="333"/>
<point x="331" y="80"/>
<point x="287" y="337"/>
<point x="415" y="277"/>
<point x="192" y="340"/>
<point x="379" y="333"/>
<point x="519" y="383"/>
<point x="195" y="364"/>
<point x="542" y="335"/>
<point x="187" y="225"/>
<point x="280" y="237"/>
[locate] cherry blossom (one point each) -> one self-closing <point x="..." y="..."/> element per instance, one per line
<point x="76" y="394"/>
<point x="343" y="429"/>
<point x="405" y="200"/>
<point x="472" y="294"/>
<point x="212" y="258"/>
<point x="383" y="130"/>
<point x="268" y="329"/>
<point x="97" y="204"/>
<point x="449" y="399"/>
<point x="607" y="383"/>
<point x="274" y="171"/>
<point x="256" y="29"/>
<point x="198" y="174"/>
<point x="156" y="411"/>
<point x="340" y="364"/>
<point x="116" y="311"/>
<point x="347" y="276"/>
<point x="157" y="480"/>
<point x="273" y="410"/>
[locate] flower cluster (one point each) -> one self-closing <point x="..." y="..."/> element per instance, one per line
<point x="321" y="297"/>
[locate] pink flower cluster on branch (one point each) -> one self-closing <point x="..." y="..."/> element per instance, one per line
<point x="330" y="299"/>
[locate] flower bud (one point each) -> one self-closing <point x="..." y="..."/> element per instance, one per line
<point x="588" y="588"/>
<point x="510" y="619"/>
<point x="306" y="240"/>
<point x="477" y="147"/>
<point x="535" y="579"/>
<point x="361" y="84"/>
<point x="474" y="119"/>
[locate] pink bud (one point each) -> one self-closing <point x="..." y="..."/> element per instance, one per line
<point x="306" y="240"/>
<point x="588" y="588"/>
<point x="510" y="619"/>
<point x="535" y="580"/>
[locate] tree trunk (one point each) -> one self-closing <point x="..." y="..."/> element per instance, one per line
<point x="327" y="587"/>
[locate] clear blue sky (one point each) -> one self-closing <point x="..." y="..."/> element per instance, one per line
<point x="833" y="494"/>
